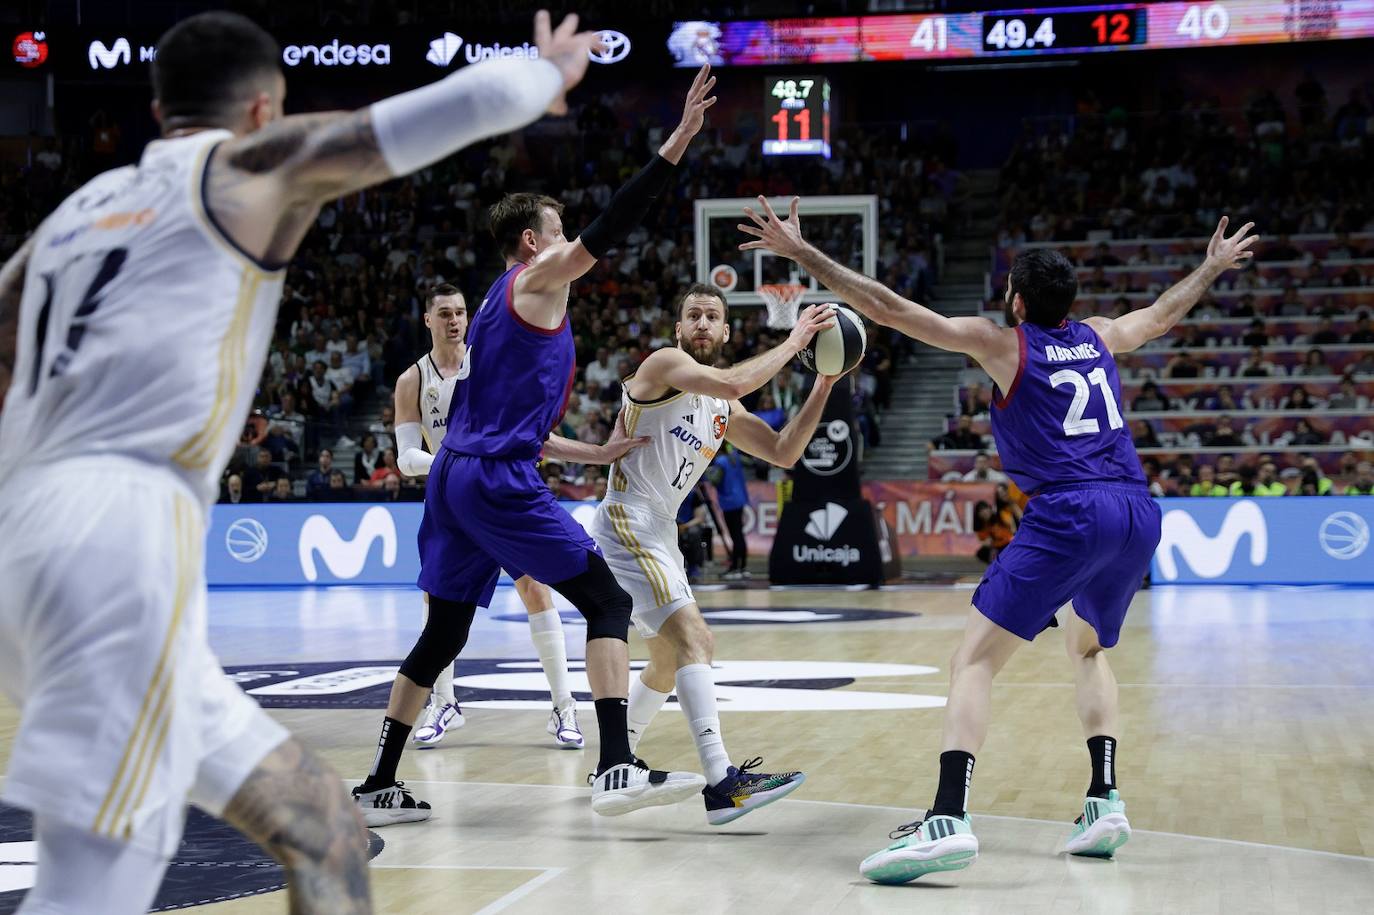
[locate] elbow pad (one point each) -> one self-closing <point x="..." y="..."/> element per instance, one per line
<point x="420" y="127"/>
<point x="411" y="457"/>
<point x="627" y="208"/>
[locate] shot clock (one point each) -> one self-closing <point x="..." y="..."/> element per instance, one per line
<point x="1061" y="30"/>
<point x="796" y="112"/>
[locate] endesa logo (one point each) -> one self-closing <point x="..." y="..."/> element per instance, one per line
<point x="335" y="54"/>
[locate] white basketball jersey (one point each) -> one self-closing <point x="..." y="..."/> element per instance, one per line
<point x="436" y="394"/>
<point x="685" y="431"/>
<point x="142" y="329"/>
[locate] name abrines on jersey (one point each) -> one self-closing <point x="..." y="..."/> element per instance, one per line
<point x="690" y="439"/>
<point x="1071" y="353"/>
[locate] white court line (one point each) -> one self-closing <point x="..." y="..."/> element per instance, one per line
<point x="496" y="905"/>
<point x="986" y="816"/>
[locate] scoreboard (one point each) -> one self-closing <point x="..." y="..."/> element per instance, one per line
<point x="1020" y="32"/>
<point x="798" y="113"/>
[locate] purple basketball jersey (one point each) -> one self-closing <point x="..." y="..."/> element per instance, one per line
<point x="1060" y="421"/>
<point x="517" y="379"/>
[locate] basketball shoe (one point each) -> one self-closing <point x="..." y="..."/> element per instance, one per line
<point x="938" y="843"/>
<point x="743" y="790"/>
<point x="563" y="727"/>
<point x="631" y="786"/>
<point x="1101" y="829"/>
<point x="440" y="718"/>
<point x="389" y="806"/>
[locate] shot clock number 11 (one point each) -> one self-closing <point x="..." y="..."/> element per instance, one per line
<point x="798" y="112"/>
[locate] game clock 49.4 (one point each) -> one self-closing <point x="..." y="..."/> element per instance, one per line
<point x="797" y="109"/>
<point x="1094" y="28"/>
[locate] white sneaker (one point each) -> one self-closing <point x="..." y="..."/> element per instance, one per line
<point x="440" y="718"/>
<point x="631" y="786"/>
<point x="388" y="806"/>
<point x="563" y="727"/>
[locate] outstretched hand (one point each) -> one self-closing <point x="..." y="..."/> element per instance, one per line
<point x="620" y="443"/>
<point x="699" y="98"/>
<point x="781" y="236"/>
<point x="567" y="49"/>
<point x="812" y="320"/>
<point x="1227" y="253"/>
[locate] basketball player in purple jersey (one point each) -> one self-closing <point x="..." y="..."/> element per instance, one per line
<point x="1087" y="535"/>
<point x="486" y="507"/>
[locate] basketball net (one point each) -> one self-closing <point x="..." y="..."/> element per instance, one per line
<point x="783" y="301"/>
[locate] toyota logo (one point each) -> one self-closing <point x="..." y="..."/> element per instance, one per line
<point x="615" y="47"/>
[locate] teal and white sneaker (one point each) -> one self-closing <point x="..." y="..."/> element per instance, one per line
<point x="939" y="843"/>
<point x="1101" y="829"/>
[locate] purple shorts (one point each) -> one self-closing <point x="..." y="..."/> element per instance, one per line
<point x="486" y="514"/>
<point x="1090" y="543"/>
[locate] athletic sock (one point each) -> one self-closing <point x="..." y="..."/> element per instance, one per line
<point x="956" y="773"/>
<point x="615" y="742"/>
<point x="645" y="702"/>
<point x="389" y="746"/>
<point x="696" y="693"/>
<point x="546" y="632"/>
<point x="1103" y="752"/>
<point x="443" y="685"/>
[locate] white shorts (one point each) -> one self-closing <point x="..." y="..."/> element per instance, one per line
<point x="641" y="549"/>
<point x="126" y="715"/>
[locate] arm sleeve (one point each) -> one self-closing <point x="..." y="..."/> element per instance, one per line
<point x="627" y="208"/>
<point x="411" y="457"/>
<point x="420" y="127"/>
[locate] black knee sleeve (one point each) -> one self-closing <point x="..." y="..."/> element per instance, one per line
<point x="600" y="599"/>
<point x="445" y="634"/>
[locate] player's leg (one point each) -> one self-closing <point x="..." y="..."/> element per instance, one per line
<point x="731" y="791"/>
<point x="79" y="872"/>
<point x="651" y="689"/>
<point x="383" y="799"/>
<point x="739" y="548"/>
<point x="546" y="633"/>
<point x="441" y="712"/>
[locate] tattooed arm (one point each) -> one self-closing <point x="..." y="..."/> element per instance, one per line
<point x="11" y="291"/>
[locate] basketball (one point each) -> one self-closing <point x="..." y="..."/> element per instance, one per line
<point x="837" y="349"/>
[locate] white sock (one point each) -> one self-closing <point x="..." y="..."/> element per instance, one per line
<point x="696" y="693"/>
<point x="546" y="632"/>
<point x="645" y="701"/>
<point x="443" y="684"/>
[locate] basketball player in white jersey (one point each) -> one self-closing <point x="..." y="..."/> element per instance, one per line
<point x="133" y="327"/>
<point x="423" y="394"/>
<point x="688" y="408"/>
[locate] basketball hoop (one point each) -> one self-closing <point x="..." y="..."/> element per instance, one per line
<point x="783" y="301"/>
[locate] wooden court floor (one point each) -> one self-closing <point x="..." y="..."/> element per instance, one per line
<point x="1244" y="757"/>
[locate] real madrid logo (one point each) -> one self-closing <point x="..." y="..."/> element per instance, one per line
<point x="432" y="393"/>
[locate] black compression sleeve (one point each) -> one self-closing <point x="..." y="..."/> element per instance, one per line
<point x="627" y="208"/>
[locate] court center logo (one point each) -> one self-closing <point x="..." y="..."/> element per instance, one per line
<point x="345" y="559"/>
<point x="741" y="686"/>
<point x="246" y="540"/>
<point x="1211" y="557"/>
<point x="1343" y="535"/>
<point x="615" y="47"/>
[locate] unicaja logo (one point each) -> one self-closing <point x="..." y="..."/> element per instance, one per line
<point x="335" y="54"/>
<point x="1344" y="535"/>
<point x="442" y="50"/>
<point x="246" y="540"/>
<point x="346" y="558"/>
<point x="111" y="57"/>
<point x="1211" y="557"/>
<point x="826" y="521"/>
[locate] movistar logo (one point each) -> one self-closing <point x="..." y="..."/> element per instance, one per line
<point x="111" y="57"/>
<point x="825" y="521"/>
<point x="1211" y="557"/>
<point x="346" y="558"/>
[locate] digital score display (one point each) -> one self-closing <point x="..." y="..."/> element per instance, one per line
<point x="1020" y="32"/>
<point x="797" y="112"/>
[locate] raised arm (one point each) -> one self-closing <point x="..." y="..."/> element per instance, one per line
<point x="753" y="436"/>
<point x="264" y="188"/>
<point x="11" y="291"/>
<point x="1131" y="331"/>
<point x="995" y="347"/>
<point x="560" y="264"/>
<point x="671" y="367"/>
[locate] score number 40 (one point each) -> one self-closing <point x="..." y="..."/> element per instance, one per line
<point x="1212" y="22"/>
